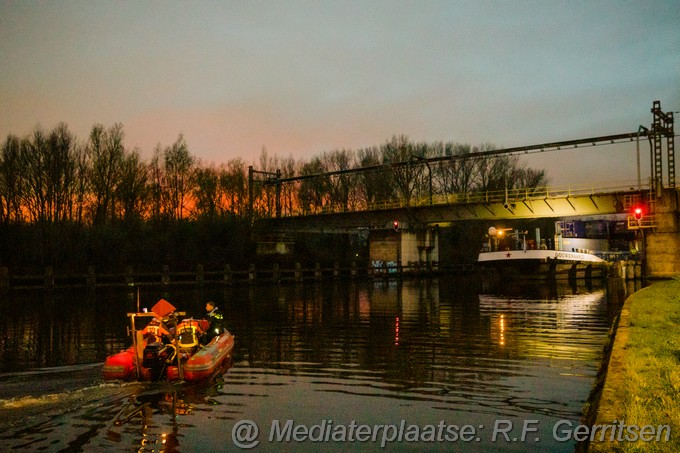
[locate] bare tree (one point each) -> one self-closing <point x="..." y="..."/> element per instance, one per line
<point x="340" y="185"/>
<point x="33" y="150"/>
<point x="81" y="188"/>
<point x="530" y="179"/>
<point x="456" y="175"/>
<point x="313" y="192"/>
<point x="206" y="192"/>
<point x="408" y="177"/>
<point x="156" y="185"/>
<point x="48" y="174"/>
<point x="493" y="172"/>
<point x="234" y="187"/>
<point x="11" y="182"/>
<point x="288" y="191"/>
<point x="264" y="187"/>
<point x="60" y="172"/>
<point x="131" y="191"/>
<point x="106" y="153"/>
<point x="375" y="185"/>
<point x="178" y="172"/>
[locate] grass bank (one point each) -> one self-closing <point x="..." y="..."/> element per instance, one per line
<point x="642" y="384"/>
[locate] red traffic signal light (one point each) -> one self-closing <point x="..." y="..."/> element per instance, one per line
<point x="638" y="212"/>
<point x="395" y="225"/>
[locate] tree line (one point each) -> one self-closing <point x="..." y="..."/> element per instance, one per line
<point x="396" y="172"/>
<point x="100" y="191"/>
<point x="52" y="177"/>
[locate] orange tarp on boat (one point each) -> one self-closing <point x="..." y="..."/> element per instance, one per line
<point x="163" y="308"/>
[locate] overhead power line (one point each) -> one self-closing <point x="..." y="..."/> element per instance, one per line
<point x="530" y="149"/>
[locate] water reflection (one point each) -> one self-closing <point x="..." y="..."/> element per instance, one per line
<point x="160" y="416"/>
<point x="61" y="327"/>
<point x="461" y="350"/>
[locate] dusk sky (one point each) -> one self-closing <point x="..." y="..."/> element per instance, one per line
<point x="300" y="78"/>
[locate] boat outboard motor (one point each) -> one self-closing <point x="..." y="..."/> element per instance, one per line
<point x="156" y="356"/>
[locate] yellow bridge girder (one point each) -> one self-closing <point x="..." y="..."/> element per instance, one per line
<point x="444" y="209"/>
<point x="535" y="205"/>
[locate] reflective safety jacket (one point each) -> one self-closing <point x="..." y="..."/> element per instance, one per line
<point x="216" y="320"/>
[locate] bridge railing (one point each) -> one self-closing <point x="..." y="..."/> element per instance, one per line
<point x="524" y="194"/>
<point x="475" y="197"/>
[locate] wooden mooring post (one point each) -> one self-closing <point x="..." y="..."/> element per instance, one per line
<point x="200" y="275"/>
<point x="91" y="279"/>
<point x="49" y="277"/>
<point x="252" y="274"/>
<point x="227" y="274"/>
<point x="165" y="274"/>
<point x="129" y="276"/>
<point x="276" y="273"/>
<point x="4" y="278"/>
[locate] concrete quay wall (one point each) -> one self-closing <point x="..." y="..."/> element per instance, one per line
<point x="663" y="242"/>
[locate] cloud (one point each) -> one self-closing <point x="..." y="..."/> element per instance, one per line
<point x="301" y="78"/>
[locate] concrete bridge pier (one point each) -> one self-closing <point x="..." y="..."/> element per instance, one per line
<point x="662" y="243"/>
<point x="408" y="250"/>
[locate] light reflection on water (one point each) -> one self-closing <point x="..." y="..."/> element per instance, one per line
<point x="453" y="350"/>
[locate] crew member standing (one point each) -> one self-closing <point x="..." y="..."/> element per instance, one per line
<point x="216" y="320"/>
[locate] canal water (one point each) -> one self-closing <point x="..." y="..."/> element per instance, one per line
<point x="418" y="365"/>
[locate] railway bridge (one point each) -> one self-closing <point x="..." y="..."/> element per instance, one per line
<point x="406" y="228"/>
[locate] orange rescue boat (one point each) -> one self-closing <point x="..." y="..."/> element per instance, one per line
<point x="166" y="349"/>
